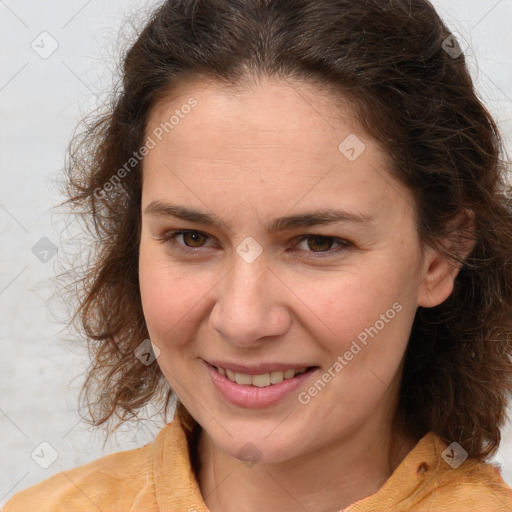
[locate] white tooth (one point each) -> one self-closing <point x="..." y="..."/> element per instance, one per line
<point x="261" y="380"/>
<point x="300" y="370"/>
<point x="243" y="378"/>
<point x="231" y="375"/>
<point x="276" y="377"/>
<point x="288" y="374"/>
<point x="221" y="371"/>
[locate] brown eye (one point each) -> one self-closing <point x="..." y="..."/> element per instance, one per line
<point x="193" y="241"/>
<point x="320" y="246"/>
<point x="193" y="238"/>
<point x="319" y="243"/>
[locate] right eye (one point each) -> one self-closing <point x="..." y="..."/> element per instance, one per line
<point x="192" y="240"/>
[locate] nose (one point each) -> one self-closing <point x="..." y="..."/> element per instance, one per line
<point x="250" y="305"/>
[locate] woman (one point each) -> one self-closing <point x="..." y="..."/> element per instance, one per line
<point x="304" y="237"/>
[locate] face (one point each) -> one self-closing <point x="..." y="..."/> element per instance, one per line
<point x="274" y="237"/>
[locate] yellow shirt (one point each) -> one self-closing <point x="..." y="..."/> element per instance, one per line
<point x="159" y="478"/>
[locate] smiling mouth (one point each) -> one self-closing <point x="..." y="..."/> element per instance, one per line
<point x="262" y="380"/>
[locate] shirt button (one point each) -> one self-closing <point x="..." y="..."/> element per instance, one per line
<point x="422" y="469"/>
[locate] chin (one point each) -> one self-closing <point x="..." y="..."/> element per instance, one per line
<point x="253" y="446"/>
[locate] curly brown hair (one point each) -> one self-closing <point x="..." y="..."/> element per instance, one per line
<point x="391" y="59"/>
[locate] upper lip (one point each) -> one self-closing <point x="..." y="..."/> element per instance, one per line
<point x="257" y="369"/>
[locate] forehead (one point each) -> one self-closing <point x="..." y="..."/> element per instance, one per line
<point x="281" y="140"/>
<point x="268" y="111"/>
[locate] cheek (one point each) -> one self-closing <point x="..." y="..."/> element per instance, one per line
<point x="171" y="295"/>
<point x="362" y="315"/>
<point x="343" y="304"/>
<point x="161" y="292"/>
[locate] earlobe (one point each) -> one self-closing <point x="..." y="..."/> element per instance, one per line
<point x="440" y="271"/>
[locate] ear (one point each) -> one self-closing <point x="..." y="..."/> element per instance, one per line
<point x="439" y="272"/>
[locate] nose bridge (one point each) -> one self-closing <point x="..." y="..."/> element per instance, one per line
<point x="248" y="306"/>
<point x="251" y="282"/>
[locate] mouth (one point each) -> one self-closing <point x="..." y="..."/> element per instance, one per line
<point x="261" y="380"/>
<point x="257" y="389"/>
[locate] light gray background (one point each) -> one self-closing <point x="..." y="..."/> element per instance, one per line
<point x="41" y="100"/>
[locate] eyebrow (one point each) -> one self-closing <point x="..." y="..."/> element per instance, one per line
<point x="317" y="218"/>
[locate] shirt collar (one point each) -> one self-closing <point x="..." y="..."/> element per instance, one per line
<point x="411" y="479"/>
<point x="176" y="487"/>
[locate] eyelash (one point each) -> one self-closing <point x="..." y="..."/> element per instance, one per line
<point x="169" y="237"/>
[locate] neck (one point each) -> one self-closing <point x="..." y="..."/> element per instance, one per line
<point x="327" y="480"/>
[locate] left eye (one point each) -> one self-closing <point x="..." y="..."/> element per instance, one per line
<point x="323" y="244"/>
<point x="193" y="241"/>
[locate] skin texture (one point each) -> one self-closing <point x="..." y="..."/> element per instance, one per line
<point x="269" y="151"/>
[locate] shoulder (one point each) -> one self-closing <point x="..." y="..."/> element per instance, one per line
<point x="119" y="479"/>
<point x="436" y="476"/>
<point x="478" y="487"/>
<point x="471" y="486"/>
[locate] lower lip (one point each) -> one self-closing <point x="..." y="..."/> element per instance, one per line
<point x="252" y="396"/>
